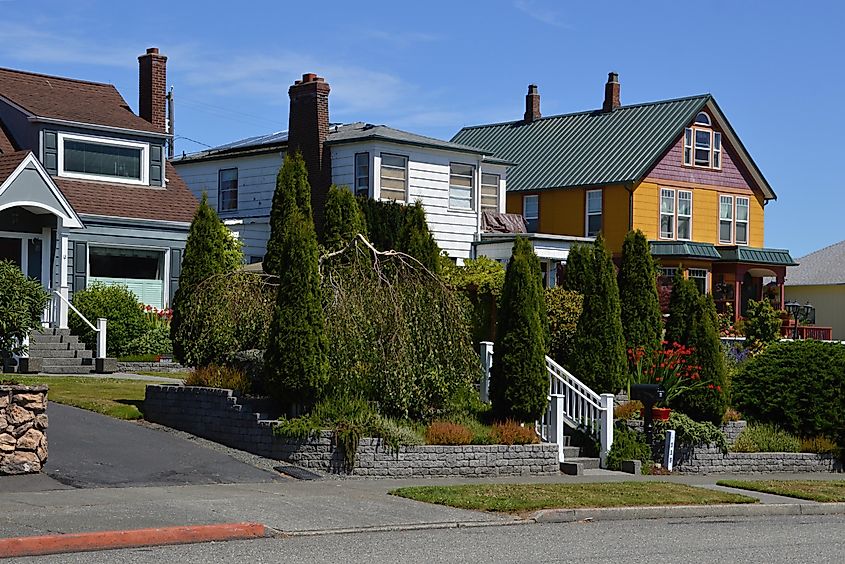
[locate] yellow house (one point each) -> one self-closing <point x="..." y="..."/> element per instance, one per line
<point x="674" y="169"/>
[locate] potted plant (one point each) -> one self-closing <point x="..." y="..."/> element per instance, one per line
<point x="670" y="367"/>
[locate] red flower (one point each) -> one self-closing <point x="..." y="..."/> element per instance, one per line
<point x="710" y="386"/>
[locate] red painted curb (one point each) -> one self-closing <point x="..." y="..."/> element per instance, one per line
<point x="104" y="540"/>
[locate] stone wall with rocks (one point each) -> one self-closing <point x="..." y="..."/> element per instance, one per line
<point x="163" y="367"/>
<point x="709" y="459"/>
<point x="220" y="416"/>
<point x="23" y="429"/>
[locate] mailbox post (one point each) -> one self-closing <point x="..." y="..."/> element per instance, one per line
<point x="648" y="394"/>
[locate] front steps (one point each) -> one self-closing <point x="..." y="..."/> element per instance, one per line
<point x="56" y="351"/>
<point x="573" y="463"/>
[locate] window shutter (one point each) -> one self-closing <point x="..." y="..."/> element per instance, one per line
<point x="155" y="165"/>
<point x="80" y="266"/>
<point x="175" y="271"/>
<point x="51" y="152"/>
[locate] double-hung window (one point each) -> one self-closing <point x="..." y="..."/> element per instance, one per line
<point x="531" y="212"/>
<point x="227" y="189"/>
<point x="741" y="227"/>
<point x="490" y="192"/>
<point x="699" y="277"/>
<point x="593" y="219"/>
<point x="667" y="213"/>
<point x="362" y="174"/>
<point x="394" y="177"/>
<point x="726" y="217"/>
<point x="702" y="145"/>
<point x="461" y="184"/>
<point x="675" y="214"/>
<point x="684" y="215"/>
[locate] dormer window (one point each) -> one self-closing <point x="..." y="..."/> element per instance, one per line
<point x="102" y="158"/>
<point x="702" y="145"/>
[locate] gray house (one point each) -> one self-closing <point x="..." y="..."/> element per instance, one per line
<point x="86" y="194"/>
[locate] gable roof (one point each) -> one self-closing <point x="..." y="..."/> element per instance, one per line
<point x="822" y="267"/>
<point x="595" y="148"/>
<point x="175" y="202"/>
<point x="44" y="195"/>
<point x="71" y="100"/>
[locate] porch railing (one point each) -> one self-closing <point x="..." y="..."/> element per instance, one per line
<point x="807" y="332"/>
<point x="52" y="314"/>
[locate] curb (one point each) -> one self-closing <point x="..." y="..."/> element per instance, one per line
<point x="685" y="511"/>
<point x="104" y="540"/>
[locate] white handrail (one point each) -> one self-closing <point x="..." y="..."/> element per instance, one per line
<point x="100" y="329"/>
<point x="76" y="311"/>
<point x="561" y="376"/>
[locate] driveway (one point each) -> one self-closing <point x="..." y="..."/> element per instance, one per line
<point x="89" y="450"/>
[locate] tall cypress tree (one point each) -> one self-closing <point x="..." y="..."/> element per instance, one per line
<point x="578" y="269"/>
<point x="599" y="357"/>
<point x="641" y="319"/>
<point x="519" y="381"/>
<point x="683" y="305"/>
<point x="210" y="249"/>
<point x="343" y="218"/>
<point x="296" y="362"/>
<point x="417" y="241"/>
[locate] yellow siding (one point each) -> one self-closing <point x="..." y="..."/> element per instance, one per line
<point x="756" y="225"/>
<point x="562" y="212"/>
<point x="646" y="209"/>
<point x="705" y="216"/>
<point x="615" y="217"/>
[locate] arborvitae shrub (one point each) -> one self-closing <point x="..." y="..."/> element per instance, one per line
<point x="417" y="241"/>
<point x="398" y="227"/>
<point x="343" y="218"/>
<point x="683" y="303"/>
<point x="642" y="323"/>
<point x="564" y="309"/>
<point x="599" y="358"/>
<point x="579" y="269"/>
<point x="291" y="200"/>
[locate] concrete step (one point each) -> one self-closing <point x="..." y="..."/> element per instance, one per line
<point x="48" y="338"/>
<point x="54" y="362"/>
<point x="575" y="466"/>
<point x="571" y="452"/>
<point x="87" y="369"/>
<point x="59" y="353"/>
<point x="55" y="331"/>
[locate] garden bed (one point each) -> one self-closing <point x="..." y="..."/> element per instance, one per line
<point x="221" y="416"/>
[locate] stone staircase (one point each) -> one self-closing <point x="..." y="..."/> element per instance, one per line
<point x="56" y="351"/>
<point x="573" y="463"/>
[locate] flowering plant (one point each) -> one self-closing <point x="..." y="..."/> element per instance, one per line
<point x="155" y="316"/>
<point x="670" y="367"/>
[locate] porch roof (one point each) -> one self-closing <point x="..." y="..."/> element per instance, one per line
<point x="687" y="249"/>
<point x="737" y="253"/>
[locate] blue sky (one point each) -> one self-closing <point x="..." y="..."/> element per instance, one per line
<point x="431" y="67"/>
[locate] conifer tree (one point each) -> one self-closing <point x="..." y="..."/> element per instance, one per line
<point x="599" y="358"/>
<point x="578" y="269"/>
<point x="295" y="361"/>
<point x="210" y="249"/>
<point x="683" y="304"/>
<point x="641" y="319"/>
<point x="707" y="403"/>
<point x="519" y="381"/>
<point x="417" y="241"/>
<point x="343" y="218"/>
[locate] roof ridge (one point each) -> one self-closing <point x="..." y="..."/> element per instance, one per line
<point x="823" y="249"/>
<point x="597" y="110"/>
<point x="56" y="77"/>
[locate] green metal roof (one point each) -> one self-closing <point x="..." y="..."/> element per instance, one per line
<point x="759" y="256"/>
<point x="684" y="249"/>
<point x="586" y="148"/>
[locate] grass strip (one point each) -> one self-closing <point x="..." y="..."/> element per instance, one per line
<point x="826" y="491"/>
<point x="122" y="399"/>
<point x="513" y="498"/>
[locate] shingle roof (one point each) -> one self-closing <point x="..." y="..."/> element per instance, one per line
<point x="585" y="148"/>
<point x="822" y="267"/>
<point x="9" y="162"/>
<point x="173" y="203"/>
<point x="72" y="100"/>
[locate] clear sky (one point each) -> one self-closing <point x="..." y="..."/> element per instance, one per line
<point x="777" y="69"/>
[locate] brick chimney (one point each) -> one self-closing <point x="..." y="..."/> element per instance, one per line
<point x="152" y="88"/>
<point x="532" y="104"/>
<point x="611" y="93"/>
<point x="308" y="127"/>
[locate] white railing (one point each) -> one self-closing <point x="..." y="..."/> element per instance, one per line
<point x="99" y="329"/>
<point x="570" y="402"/>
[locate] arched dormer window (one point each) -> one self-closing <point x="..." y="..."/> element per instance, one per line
<point x="702" y="145"/>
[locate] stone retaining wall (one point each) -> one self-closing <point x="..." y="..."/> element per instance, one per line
<point x="709" y="459"/>
<point x="149" y="367"/>
<point x="219" y="415"/>
<point x="23" y="429"/>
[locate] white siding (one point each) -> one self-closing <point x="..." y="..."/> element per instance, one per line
<point x="253" y="233"/>
<point x="256" y="182"/>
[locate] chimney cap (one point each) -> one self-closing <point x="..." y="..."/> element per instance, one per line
<point x="152" y="51"/>
<point x="532" y="88"/>
<point x="613" y="77"/>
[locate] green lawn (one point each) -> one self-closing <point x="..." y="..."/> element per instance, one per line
<point x="813" y="490"/>
<point x="512" y="498"/>
<point x="123" y="399"/>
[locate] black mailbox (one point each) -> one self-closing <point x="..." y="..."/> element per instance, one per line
<point x="649" y="394"/>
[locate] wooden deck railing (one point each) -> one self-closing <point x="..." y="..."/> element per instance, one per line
<point x="807" y="332"/>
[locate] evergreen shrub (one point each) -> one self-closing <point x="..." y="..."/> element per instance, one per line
<point x="22" y="301"/>
<point x="126" y="321"/>
<point x="564" y="309"/>
<point x="627" y="445"/>
<point x="762" y="322"/>
<point x="342" y="220"/>
<point x="579" y="269"/>
<point x="642" y="322"/>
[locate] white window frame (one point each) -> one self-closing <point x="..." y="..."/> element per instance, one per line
<point x="667" y="193"/>
<point x="689" y="135"/>
<point x="746" y="221"/>
<point x="471" y="177"/>
<point x="220" y="189"/>
<point x="706" y="276"/>
<point x="497" y="185"/>
<point x="145" y="158"/>
<point x="535" y="217"/>
<point x="695" y="132"/>
<point x="706" y="117"/>
<point x="714" y="158"/>
<point x="730" y="220"/>
<point x="380" y="176"/>
<point x="587" y="212"/>
<point x="716" y="155"/>
<point x="357" y="190"/>
<point x="683" y="216"/>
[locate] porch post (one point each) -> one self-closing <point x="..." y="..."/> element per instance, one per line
<point x="486" y="365"/>
<point x="737" y="298"/>
<point x="63" y="282"/>
<point x="781" y="280"/>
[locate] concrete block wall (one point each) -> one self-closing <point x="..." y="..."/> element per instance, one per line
<point x="709" y="459"/>
<point x="218" y="415"/>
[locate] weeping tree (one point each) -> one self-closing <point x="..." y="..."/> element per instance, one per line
<point x="210" y="250"/>
<point x="641" y="319"/>
<point x="519" y="381"/>
<point x="295" y="361"/>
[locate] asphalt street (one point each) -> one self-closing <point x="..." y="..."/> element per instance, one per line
<point x="89" y="450"/>
<point x="771" y="540"/>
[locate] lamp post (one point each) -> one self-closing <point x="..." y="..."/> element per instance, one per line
<point x="798" y="311"/>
